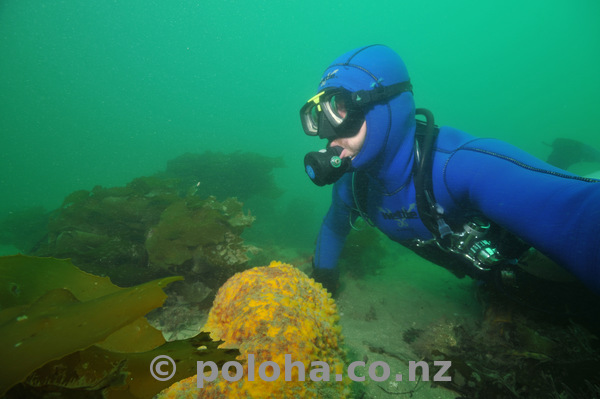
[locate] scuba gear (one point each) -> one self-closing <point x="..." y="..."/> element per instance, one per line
<point x="331" y="114"/>
<point x="475" y="249"/>
<point x="429" y="211"/>
<point x="325" y="166"/>
<point x="472" y="245"/>
<point x="390" y="123"/>
<point x="487" y="252"/>
<point x="477" y="244"/>
<point x="336" y="112"/>
<point x="550" y="209"/>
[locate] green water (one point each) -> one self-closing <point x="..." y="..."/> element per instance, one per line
<point x="100" y="92"/>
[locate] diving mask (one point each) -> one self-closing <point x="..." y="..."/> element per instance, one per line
<point x="337" y="112"/>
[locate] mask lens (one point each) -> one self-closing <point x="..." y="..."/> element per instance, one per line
<point x="314" y="117"/>
<point x="309" y="115"/>
<point x="335" y="109"/>
<point x="330" y="114"/>
<point x="337" y="105"/>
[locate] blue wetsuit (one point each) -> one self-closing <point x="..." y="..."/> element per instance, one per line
<point x="554" y="211"/>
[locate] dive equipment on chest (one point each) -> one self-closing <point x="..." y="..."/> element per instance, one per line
<point x="474" y="244"/>
<point x="477" y="243"/>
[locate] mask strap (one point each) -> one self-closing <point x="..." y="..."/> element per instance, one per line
<point x="380" y="93"/>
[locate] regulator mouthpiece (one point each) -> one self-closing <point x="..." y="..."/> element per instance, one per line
<point x="325" y="166"/>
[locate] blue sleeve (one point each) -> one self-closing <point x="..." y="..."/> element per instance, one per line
<point x="554" y="211"/>
<point x="335" y="226"/>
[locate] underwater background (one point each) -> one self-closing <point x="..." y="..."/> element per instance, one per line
<point x="119" y="119"/>
<point x="97" y="93"/>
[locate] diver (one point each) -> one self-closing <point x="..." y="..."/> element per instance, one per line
<point x="477" y="206"/>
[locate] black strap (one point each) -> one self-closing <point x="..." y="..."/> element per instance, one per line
<point x="360" y="191"/>
<point x="425" y="137"/>
<point x="380" y="93"/>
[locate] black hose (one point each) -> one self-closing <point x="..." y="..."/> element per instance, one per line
<point x="425" y="137"/>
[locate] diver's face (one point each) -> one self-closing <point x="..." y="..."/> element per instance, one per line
<point x="351" y="145"/>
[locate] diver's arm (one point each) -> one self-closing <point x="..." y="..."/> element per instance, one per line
<point x="556" y="212"/>
<point x="328" y="249"/>
<point x="330" y="242"/>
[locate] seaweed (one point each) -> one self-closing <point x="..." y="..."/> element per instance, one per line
<point x="60" y="324"/>
<point x="512" y="352"/>
<point x="105" y="230"/>
<point x="146" y="230"/>
<point x="113" y="374"/>
<point x="200" y="237"/>
<point x="63" y="328"/>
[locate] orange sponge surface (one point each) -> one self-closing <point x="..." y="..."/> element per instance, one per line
<point x="269" y="312"/>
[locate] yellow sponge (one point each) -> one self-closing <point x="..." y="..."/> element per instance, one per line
<point x="270" y="312"/>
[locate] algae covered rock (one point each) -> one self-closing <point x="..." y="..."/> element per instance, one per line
<point x="103" y="230"/>
<point x="167" y="223"/>
<point x="200" y="237"/>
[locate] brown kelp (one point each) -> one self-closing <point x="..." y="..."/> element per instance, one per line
<point x="63" y="329"/>
<point x="164" y="224"/>
<point x="105" y="230"/>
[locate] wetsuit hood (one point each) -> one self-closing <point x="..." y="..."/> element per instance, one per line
<point x="388" y="147"/>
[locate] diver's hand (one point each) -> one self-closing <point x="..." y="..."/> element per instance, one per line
<point x="329" y="278"/>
